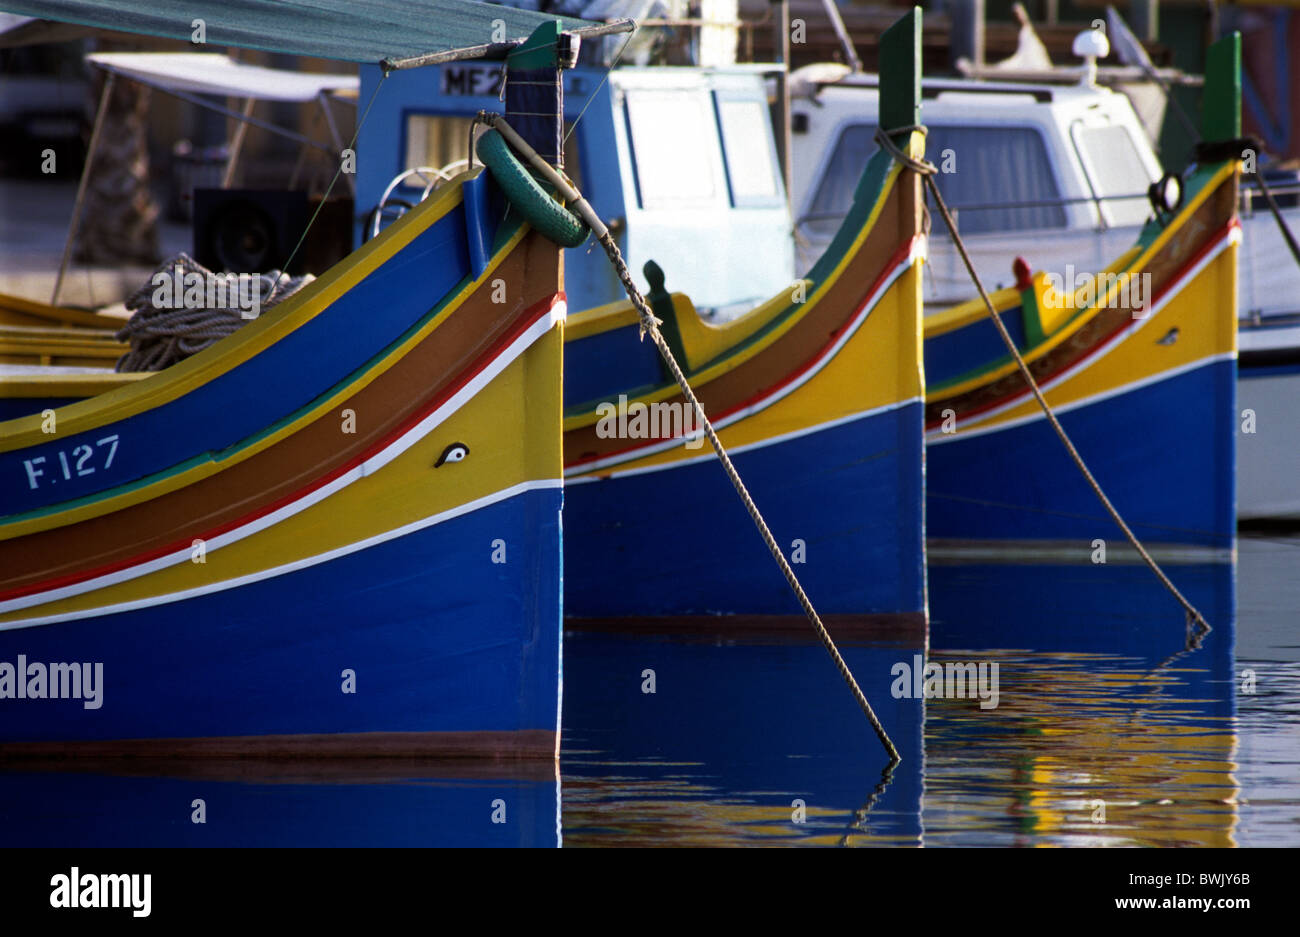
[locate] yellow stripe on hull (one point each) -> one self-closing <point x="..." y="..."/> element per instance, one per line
<point x="1131" y="263"/>
<point x="511" y="440"/>
<point x="1203" y="333"/>
<point x="877" y="367"/>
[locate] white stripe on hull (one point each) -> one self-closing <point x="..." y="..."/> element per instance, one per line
<point x="371" y="465"/>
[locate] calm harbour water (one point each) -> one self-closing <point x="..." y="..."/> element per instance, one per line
<point x="1109" y="730"/>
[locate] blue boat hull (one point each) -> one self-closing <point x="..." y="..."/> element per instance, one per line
<point x="679" y="541"/>
<point x="1168" y="470"/>
<point x="440" y="640"/>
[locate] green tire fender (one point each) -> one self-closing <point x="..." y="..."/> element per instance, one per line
<point x="525" y="193"/>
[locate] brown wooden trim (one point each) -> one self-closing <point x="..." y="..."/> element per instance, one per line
<point x="242" y="755"/>
<point x="892" y="628"/>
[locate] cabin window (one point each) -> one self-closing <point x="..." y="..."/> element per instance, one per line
<point x="834" y="195"/>
<point x="435" y="140"/>
<point x="747" y="147"/>
<point x="674" y="148"/>
<point x="1115" y="172"/>
<point x="998" y="178"/>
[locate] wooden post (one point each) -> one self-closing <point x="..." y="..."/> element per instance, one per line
<point x="232" y="158"/>
<point x="1146" y="19"/>
<point x="900" y="75"/>
<point x="781" y="49"/>
<point x="967" y="25"/>
<point x="535" y="91"/>
<point x="1221" y="98"/>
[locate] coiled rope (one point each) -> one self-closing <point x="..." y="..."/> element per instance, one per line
<point x="650" y="326"/>
<point x="927" y="170"/>
<point x="161" y="334"/>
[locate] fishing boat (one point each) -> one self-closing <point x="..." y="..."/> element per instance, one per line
<point x="1079" y="197"/>
<point x="818" y="390"/>
<point x="336" y="531"/>
<point x="1143" y="381"/>
<point x="817" y="393"/>
<point x="1139" y="361"/>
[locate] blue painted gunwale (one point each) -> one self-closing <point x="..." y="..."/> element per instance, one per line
<point x="11" y="408"/>
<point x="599" y="367"/>
<point x="963" y="353"/>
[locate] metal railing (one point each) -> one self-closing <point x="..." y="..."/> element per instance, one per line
<point x="957" y="209"/>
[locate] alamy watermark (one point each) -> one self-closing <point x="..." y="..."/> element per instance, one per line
<point x="1081" y="290"/>
<point x="35" y="680"/>
<point x="954" y="680"/>
<point x="182" y="289"/>
<point x="78" y="889"/>
<point x="638" y="420"/>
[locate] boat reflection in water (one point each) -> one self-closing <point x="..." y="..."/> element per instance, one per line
<point x="336" y="802"/>
<point x="1113" y="728"/>
<point x="1109" y="729"/>
<point x="749" y="737"/>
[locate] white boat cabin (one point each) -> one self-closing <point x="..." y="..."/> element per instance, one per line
<point x="1057" y="174"/>
<point x="680" y="162"/>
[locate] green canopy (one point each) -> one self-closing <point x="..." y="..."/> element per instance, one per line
<point x="367" y="31"/>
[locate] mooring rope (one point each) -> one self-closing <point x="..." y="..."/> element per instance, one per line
<point x="927" y="171"/>
<point x="1277" y="216"/>
<point x="650" y="325"/>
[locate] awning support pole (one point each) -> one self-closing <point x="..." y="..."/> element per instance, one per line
<point x="837" y="23"/>
<point x="91" y="150"/>
<point x="334" y="135"/>
<point x="237" y="143"/>
<point x="781" y="48"/>
<point x="498" y="50"/>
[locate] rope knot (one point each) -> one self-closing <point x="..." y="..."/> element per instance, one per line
<point x="920" y="166"/>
